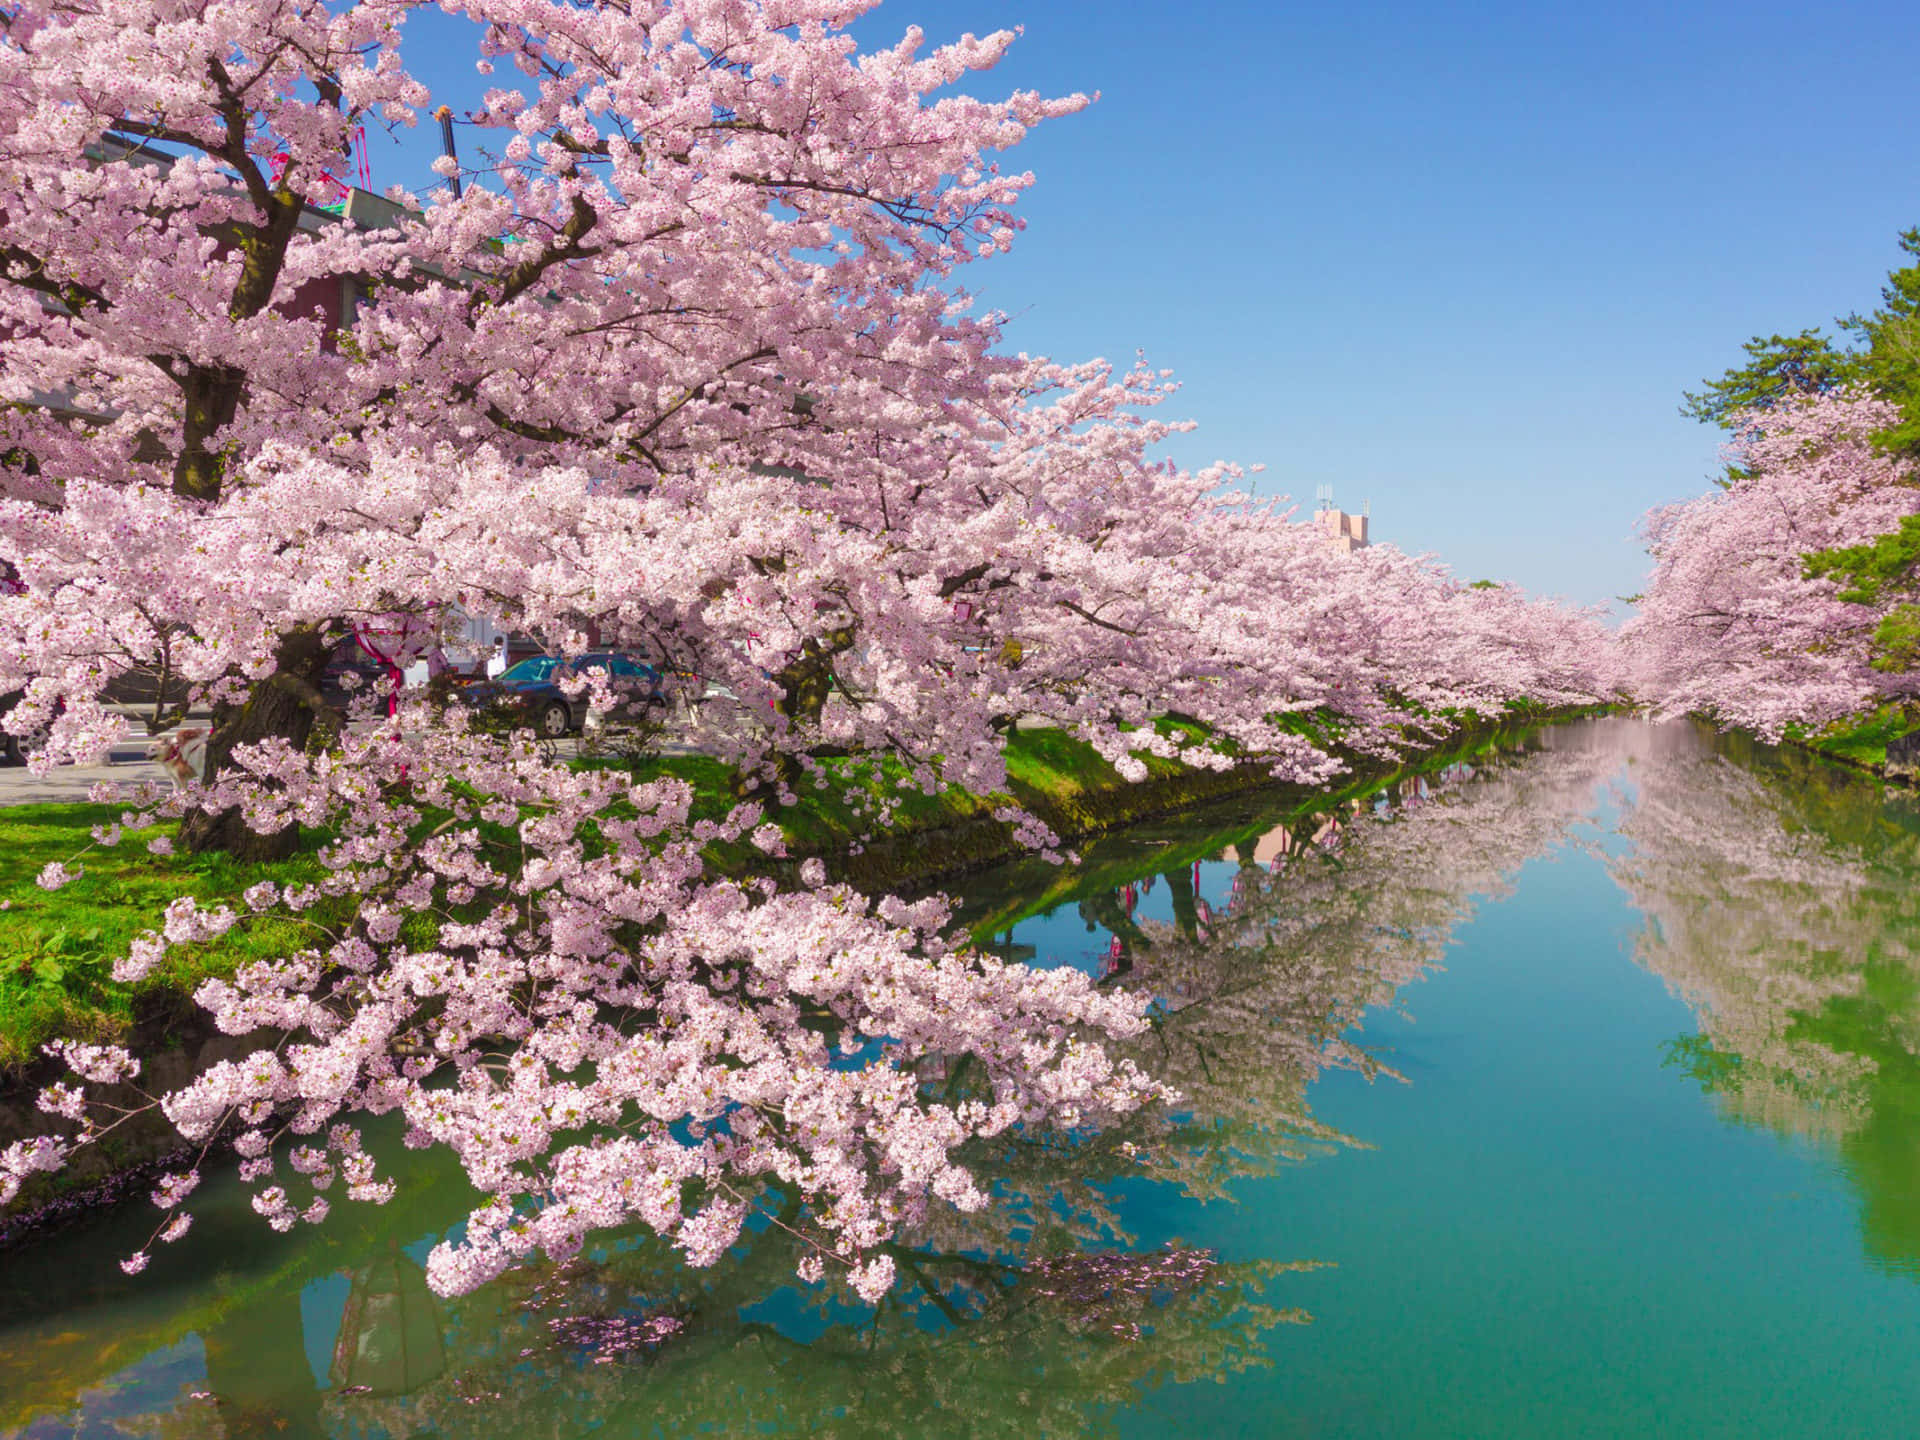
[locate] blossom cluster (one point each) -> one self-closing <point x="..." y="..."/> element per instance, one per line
<point x="684" y="369"/>
<point x="1731" y="623"/>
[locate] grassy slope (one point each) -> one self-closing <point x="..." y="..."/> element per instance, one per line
<point x="1863" y="741"/>
<point x="57" y="948"/>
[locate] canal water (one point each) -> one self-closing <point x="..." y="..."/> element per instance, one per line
<point x="1570" y="1088"/>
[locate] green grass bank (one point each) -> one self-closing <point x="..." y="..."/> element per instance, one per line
<point x="57" y="948"/>
<point x="1862" y="741"/>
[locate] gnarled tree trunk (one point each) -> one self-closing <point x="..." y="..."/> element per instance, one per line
<point x="806" y="684"/>
<point x="287" y="704"/>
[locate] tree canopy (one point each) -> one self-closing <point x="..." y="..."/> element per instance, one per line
<point x="1889" y="341"/>
<point x="1777" y="368"/>
<point x="1881" y="353"/>
<point x="1735" y="621"/>
<point x="1858" y="583"/>
<point x="683" y="368"/>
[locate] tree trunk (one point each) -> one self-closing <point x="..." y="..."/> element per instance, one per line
<point x="1186" y="914"/>
<point x="806" y="684"/>
<point x="282" y="705"/>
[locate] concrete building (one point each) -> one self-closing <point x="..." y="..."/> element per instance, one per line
<point x="1344" y="532"/>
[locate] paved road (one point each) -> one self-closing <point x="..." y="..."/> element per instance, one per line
<point x="128" y="763"/>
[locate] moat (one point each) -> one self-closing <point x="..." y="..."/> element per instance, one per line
<point x="1572" y="1088"/>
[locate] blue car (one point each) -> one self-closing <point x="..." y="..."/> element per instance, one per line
<point x="529" y="693"/>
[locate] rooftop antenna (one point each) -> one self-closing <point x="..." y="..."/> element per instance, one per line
<point x="1323" y="497"/>
<point x="445" y="115"/>
<point x="1366" y="508"/>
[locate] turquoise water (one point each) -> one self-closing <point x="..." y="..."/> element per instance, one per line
<point x="1570" y="1090"/>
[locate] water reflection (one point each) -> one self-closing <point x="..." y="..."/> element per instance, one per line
<point x="1265" y="936"/>
<point x="1309" y="923"/>
<point x="390" y="1341"/>
<point x="234" y="1337"/>
<point x="1780" y="904"/>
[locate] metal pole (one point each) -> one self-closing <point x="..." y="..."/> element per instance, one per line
<point x="445" y="115"/>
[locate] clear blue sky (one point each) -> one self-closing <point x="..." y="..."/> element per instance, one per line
<point x="1457" y="260"/>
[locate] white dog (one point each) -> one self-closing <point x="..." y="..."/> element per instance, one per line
<point x="183" y="753"/>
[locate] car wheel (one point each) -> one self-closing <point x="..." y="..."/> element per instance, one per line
<point x="553" y="720"/>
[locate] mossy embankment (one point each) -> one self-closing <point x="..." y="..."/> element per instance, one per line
<point x="1862" y="741"/>
<point x="1026" y="885"/>
<point x="57" y="947"/>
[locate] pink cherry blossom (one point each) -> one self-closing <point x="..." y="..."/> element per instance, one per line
<point x="686" y="370"/>
<point x="54" y="875"/>
<point x="1730" y="624"/>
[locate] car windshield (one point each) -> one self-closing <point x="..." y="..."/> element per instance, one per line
<point x="534" y="668"/>
<point x="618" y="666"/>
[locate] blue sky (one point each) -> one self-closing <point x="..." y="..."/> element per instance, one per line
<point x="1459" y="261"/>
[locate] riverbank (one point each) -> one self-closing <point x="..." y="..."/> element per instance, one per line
<point x="1079" y="796"/>
<point x="1863" y="744"/>
<point x="64" y="942"/>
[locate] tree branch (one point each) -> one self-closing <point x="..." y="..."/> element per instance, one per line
<point x="524" y="276"/>
<point x="1089" y="616"/>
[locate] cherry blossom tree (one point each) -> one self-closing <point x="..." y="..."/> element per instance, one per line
<point x="1096" y="588"/>
<point x="213" y="477"/>
<point x="710" y="260"/>
<point x="682" y="367"/>
<point x="1732" y="624"/>
<point x="162" y="255"/>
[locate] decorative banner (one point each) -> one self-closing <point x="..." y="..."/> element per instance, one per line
<point x="396" y="640"/>
<point x="339" y="189"/>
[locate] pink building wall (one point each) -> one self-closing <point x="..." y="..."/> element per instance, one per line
<point x="1344" y="532"/>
